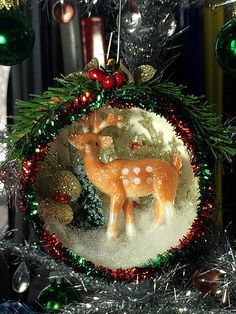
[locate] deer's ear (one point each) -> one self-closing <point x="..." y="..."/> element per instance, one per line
<point x="75" y="140"/>
<point x="105" y="141"/>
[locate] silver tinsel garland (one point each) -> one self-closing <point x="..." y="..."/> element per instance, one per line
<point x="171" y="292"/>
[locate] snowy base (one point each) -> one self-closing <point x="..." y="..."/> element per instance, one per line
<point x="124" y="253"/>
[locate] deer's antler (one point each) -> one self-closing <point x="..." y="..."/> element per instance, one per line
<point x="110" y="120"/>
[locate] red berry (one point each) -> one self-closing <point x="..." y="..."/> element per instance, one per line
<point x="108" y="82"/>
<point x="96" y="74"/>
<point x="119" y="78"/>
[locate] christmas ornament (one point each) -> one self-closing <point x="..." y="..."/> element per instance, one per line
<point x="56" y="295"/>
<point x="60" y="211"/>
<point x="63" y="11"/>
<point x="112" y="174"/>
<point x="12" y="307"/>
<point x="225" y="47"/>
<point x="16" y="34"/>
<point x="207" y="280"/>
<point x="21" y="278"/>
<point x="65" y="182"/>
<point x="146" y="27"/>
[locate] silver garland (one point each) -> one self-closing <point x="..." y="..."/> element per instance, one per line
<point x="9" y="177"/>
<point x="170" y="293"/>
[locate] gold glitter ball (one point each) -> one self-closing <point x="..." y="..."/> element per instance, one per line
<point x="65" y="182"/>
<point x="60" y="211"/>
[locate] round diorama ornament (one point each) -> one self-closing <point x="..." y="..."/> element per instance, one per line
<point x="114" y="180"/>
<point x="225" y="47"/>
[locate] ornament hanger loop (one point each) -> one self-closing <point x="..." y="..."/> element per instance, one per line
<point x="119" y="30"/>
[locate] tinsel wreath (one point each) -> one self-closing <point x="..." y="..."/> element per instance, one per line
<point x="41" y="119"/>
<point x="170" y="292"/>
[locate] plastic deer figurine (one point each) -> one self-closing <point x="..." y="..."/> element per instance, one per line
<point x="124" y="180"/>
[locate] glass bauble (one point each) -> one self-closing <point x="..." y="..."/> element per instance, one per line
<point x="225" y="47"/>
<point x="53" y="297"/>
<point x="16" y="37"/>
<point x="63" y="12"/>
<point x="21" y="278"/>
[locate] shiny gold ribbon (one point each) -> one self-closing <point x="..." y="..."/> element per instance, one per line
<point x="9" y="4"/>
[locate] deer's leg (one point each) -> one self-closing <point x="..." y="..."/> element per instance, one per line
<point x="159" y="216"/>
<point x="116" y="203"/>
<point x="129" y="218"/>
<point x="169" y="210"/>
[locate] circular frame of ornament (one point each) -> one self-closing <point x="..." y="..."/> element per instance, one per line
<point x="86" y="102"/>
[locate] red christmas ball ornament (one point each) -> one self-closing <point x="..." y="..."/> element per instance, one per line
<point x="96" y="74"/>
<point x="63" y="11"/>
<point x="61" y="197"/>
<point x="119" y="78"/>
<point x="207" y="280"/>
<point x="108" y="82"/>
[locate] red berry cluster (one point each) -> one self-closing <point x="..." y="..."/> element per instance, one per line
<point x="108" y="81"/>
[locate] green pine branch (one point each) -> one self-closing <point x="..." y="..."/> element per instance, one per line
<point x="40" y="111"/>
<point x="34" y="114"/>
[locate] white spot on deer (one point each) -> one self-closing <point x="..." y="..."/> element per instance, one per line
<point x="126" y="181"/>
<point x="136" y="170"/>
<point x="137" y="181"/>
<point x="149" y="180"/>
<point x="125" y="171"/>
<point x="149" y="169"/>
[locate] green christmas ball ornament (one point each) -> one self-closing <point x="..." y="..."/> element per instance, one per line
<point x="53" y="297"/>
<point x="225" y="47"/>
<point x="16" y="37"/>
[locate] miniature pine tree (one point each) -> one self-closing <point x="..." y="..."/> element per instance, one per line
<point x="88" y="211"/>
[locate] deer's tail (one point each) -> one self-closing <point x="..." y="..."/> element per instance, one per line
<point x="177" y="162"/>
